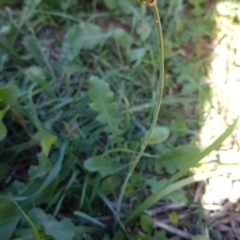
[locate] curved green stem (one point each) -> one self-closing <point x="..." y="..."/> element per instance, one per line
<point x="153" y="5"/>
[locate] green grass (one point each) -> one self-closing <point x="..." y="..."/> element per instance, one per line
<point x="78" y="91"/>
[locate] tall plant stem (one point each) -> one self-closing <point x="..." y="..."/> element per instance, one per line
<point x="152" y="4"/>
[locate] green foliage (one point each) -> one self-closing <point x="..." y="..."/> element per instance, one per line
<point x="9" y="218"/>
<point x="175" y="197"/>
<point x="80" y="37"/>
<point x="77" y="91"/>
<point x="122" y="38"/>
<point x="100" y="164"/>
<point x="3" y="130"/>
<point x="146" y="223"/>
<point x="102" y="102"/>
<point x="200" y="237"/>
<point x="197" y="11"/>
<point x="47" y="142"/>
<point x="34" y="229"/>
<point x="111" y="4"/>
<point x="173" y="183"/>
<point x="159" y="135"/>
<point x="59" y="230"/>
<point x="72" y="44"/>
<point x="8" y="97"/>
<point x="172" y="160"/>
<point x="29" y="7"/>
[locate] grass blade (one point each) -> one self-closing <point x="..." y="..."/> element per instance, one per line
<point x="35" y="231"/>
<point x="90" y="219"/>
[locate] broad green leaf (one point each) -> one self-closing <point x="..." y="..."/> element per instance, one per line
<point x="200" y="237"/>
<point x="102" y="102"/>
<point x="3" y="131"/>
<point x="15" y="188"/>
<point x="159" y="135"/>
<point x="144" y="30"/>
<point x="160" y="235"/>
<point x="173" y="159"/>
<point x="119" y="236"/>
<point x="170" y="186"/>
<point x="3" y="168"/>
<point x="177" y="197"/>
<point x="8" y="96"/>
<point x="92" y="35"/>
<point x="42" y="132"/>
<point x="139" y="237"/>
<point x="146" y="223"/>
<point x="84" y="36"/>
<point x="24" y="233"/>
<point x="122" y="38"/>
<point x="189" y="88"/>
<point x="137" y="54"/>
<point x="35" y="231"/>
<point x="36" y="74"/>
<point x="127" y="6"/>
<point x="100" y="164"/>
<point x="47" y="142"/>
<point x="63" y="230"/>
<point x="155" y="184"/>
<point x="9" y="218"/>
<point x="5" y="30"/>
<point x="72" y="44"/>
<point x="110" y="4"/>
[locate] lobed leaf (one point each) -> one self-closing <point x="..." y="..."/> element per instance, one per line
<point x="102" y="102"/>
<point x="63" y="230"/>
<point x="100" y="164"/>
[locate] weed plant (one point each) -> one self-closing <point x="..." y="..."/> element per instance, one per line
<point x="78" y="89"/>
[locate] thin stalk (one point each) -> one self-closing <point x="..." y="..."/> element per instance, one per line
<point x="152" y="4"/>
